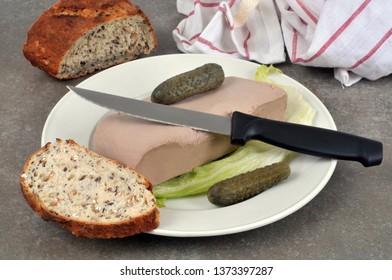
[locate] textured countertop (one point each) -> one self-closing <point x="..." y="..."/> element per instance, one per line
<point x="349" y="219"/>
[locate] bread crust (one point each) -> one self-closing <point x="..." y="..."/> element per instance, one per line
<point x="87" y="229"/>
<point x="60" y="26"/>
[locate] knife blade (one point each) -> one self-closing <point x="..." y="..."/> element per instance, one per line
<point x="242" y="127"/>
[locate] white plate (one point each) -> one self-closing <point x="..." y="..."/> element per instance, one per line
<point x="75" y="118"/>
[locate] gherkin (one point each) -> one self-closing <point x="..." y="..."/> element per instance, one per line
<point x="201" y="79"/>
<point x="247" y="185"/>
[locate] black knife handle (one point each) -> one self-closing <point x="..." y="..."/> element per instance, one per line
<point x="306" y="139"/>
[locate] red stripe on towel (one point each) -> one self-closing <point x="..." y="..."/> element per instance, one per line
<point x="212" y="46"/>
<point x="186" y="42"/>
<point x="223" y="11"/>
<point x="212" y="4"/>
<point x="334" y="36"/>
<point x="206" y="5"/>
<point x="294" y="46"/>
<point x="373" y="50"/>
<point x="309" y="13"/>
<point x="246" y="46"/>
<point x="194" y="37"/>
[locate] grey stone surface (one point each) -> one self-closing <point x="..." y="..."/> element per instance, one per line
<point x="349" y="219"/>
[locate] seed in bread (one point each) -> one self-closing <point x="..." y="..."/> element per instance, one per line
<point x="77" y="37"/>
<point x="88" y="194"/>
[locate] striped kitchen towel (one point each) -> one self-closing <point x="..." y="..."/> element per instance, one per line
<point x="247" y="29"/>
<point x="353" y="37"/>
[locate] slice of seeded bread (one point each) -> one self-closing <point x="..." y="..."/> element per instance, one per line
<point x="77" y="37"/>
<point x="88" y="194"/>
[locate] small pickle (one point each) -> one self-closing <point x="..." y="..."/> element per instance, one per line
<point x="184" y="85"/>
<point x="247" y="185"/>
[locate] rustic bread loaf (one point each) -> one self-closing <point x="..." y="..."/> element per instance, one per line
<point x="76" y="37"/>
<point x="88" y="194"/>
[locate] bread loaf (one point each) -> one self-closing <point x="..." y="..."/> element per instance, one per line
<point x="88" y="194"/>
<point x="76" y="37"/>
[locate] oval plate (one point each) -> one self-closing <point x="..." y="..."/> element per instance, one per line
<point x="75" y="118"/>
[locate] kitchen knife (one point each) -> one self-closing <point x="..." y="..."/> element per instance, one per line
<point x="242" y="128"/>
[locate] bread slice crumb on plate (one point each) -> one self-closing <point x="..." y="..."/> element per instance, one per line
<point x="76" y="37"/>
<point x="86" y="193"/>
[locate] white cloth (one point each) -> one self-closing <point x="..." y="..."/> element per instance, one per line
<point x="353" y="37"/>
<point x="228" y="28"/>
